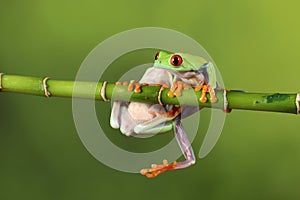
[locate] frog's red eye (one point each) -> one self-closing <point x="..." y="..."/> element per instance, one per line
<point x="176" y="60"/>
<point x="156" y="56"/>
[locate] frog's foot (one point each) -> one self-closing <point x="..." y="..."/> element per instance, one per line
<point x="174" y="112"/>
<point x="161" y="85"/>
<point x="171" y="114"/>
<point x="134" y="86"/>
<point x="177" y="88"/>
<point x="155" y="169"/>
<point x="213" y="98"/>
<point x="122" y="83"/>
<point x="205" y="89"/>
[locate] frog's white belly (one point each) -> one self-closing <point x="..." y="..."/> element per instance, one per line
<point x="139" y="112"/>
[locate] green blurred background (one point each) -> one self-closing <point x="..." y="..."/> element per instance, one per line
<point x="254" y="43"/>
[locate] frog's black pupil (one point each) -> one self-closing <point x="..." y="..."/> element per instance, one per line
<point x="175" y="60"/>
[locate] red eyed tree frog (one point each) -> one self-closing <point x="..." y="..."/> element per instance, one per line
<point x="177" y="71"/>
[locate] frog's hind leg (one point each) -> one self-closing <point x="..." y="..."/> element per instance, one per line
<point x="184" y="144"/>
<point x="186" y="149"/>
<point x="159" y="124"/>
<point x="160" y="128"/>
<point x="114" y="117"/>
<point x="121" y="119"/>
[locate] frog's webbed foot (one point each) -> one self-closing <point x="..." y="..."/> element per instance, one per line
<point x="155" y="169"/>
<point x="205" y="89"/>
<point x="177" y="88"/>
<point x="122" y="83"/>
<point x="162" y="85"/>
<point x="186" y="149"/>
<point x="134" y="86"/>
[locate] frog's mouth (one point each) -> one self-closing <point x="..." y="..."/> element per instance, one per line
<point x="180" y="74"/>
<point x="159" y="65"/>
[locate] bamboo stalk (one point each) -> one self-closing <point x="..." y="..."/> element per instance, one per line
<point x="274" y="102"/>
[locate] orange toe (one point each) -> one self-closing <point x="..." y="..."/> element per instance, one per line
<point x="155" y="169"/>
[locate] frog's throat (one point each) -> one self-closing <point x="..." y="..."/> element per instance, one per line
<point x="178" y="73"/>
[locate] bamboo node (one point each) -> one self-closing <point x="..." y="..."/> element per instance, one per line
<point x="45" y="87"/>
<point x="102" y="91"/>
<point x="159" y="95"/>
<point x="297" y="103"/>
<point x="225" y="100"/>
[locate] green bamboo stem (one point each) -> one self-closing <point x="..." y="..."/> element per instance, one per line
<point x="275" y="102"/>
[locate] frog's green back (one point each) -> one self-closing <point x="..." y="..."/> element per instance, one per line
<point x="195" y="62"/>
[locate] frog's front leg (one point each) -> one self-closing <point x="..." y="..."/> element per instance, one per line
<point x="211" y="80"/>
<point x="177" y="88"/>
<point x="185" y="147"/>
<point x="205" y="89"/>
<point x="132" y="86"/>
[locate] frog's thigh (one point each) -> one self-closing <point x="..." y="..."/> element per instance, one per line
<point x="161" y="128"/>
<point x="115" y="112"/>
<point x="158" y="124"/>
<point x="127" y="124"/>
